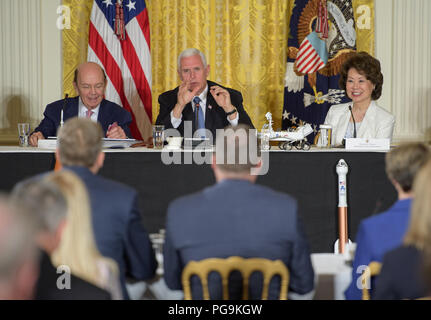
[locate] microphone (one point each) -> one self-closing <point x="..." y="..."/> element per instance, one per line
<point x="354" y="123"/>
<point x="64" y="106"/>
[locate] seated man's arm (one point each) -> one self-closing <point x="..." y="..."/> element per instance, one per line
<point x="301" y="269"/>
<point x="124" y="124"/>
<point x="172" y="265"/>
<point x="172" y="104"/>
<point x="35" y="137"/>
<point x="48" y="125"/>
<point x="120" y="129"/>
<point x="229" y="98"/>
<point x="236" y="99"/>
<point x="166" y="108"/>
<point x="141" y="260"/>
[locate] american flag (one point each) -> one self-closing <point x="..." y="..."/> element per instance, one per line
<point x="310" y="92"/>
<point x="312" y="54"/>
<point x="119" y="40"/>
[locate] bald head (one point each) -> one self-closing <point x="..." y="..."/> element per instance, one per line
<point x="90" y="84"/>
<point x="88" y="67"/>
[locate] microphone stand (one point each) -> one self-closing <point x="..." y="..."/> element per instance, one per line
<point x="64" y="106"/>
<point x="354" y="123"/>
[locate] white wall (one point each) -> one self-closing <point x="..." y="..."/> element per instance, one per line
<point x="52" y="56"/>
<point x="31" y="63"/>
<point x="403" y="46"/>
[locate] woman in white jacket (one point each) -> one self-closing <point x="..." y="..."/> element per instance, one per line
<point x="362" y="79"/>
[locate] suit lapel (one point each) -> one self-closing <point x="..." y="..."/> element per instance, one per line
<point x="103" y="116"/>
<point x="188" y="112"/>
<point x="343" y="122"/>
<point x="71" y="108"/>
<point x="212" y="113"/>
<point x="370" y="115"/>
<point x="211" y="108"/>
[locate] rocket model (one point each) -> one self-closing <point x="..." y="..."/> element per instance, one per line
<point x="343" y="238"/>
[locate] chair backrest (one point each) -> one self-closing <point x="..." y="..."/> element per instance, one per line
<point x="372" y="271"/>
<point x="268" y="268"/>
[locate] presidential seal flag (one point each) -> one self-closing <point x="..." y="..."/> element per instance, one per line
<point x="119" y="40"/>
<point x="322" y="36"/>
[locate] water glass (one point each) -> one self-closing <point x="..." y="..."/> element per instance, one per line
<point x="23" y="132"/>
<point x="158" y="136"/>
<point x="325" y="136"/>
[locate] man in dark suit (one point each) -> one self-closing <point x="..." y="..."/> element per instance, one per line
<point x="236" y="217"/>
<point x="116" y="219"/>
<point x="200" y="103"/>
<point x="90" y="84"/>
<point x="43" y="205"/>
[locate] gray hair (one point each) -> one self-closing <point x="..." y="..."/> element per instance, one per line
<point x="41" y="201"/>
<point x="237" y="149"/>
<point x="191" y="52"/>
<point x="79" y="142"/>
<point x="403" y="163"/>
<point x="17" y="245"/>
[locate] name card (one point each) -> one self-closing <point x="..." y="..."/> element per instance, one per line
<point x="47" y="143"/>
<point x="367" y="144"/>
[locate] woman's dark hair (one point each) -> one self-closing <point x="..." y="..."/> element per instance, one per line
<point x="367" y="66"/>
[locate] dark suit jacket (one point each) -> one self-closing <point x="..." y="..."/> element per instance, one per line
<point x="109" y="113"/>
<point x="372" y="243"/>
<point x="215" y="117"/>
<point x="46" y="285"/>
<point x="118" y="227"/>
<point x="236" y="218"/>
<point x="401" y="276"/>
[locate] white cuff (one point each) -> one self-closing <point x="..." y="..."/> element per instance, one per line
<point x="175" y="121"/>
<point x="234" y="122"/>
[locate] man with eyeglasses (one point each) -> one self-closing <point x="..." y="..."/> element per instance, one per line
<point x="90" y="84"/>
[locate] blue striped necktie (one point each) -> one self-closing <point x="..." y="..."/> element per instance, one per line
<point x="199" y="114"/>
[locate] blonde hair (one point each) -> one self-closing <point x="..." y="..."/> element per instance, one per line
<point x="419" y="231"/>
<point x="77" y="248"/>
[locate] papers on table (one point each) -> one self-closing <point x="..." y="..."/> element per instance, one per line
<point x="117" y="143"/>
<point x="51" y="143"/>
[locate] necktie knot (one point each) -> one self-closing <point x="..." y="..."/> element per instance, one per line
<point x="197" y="101"/>
<point x="89" y="113"/>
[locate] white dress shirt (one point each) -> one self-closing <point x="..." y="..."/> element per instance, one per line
<point x="82" y="111"/>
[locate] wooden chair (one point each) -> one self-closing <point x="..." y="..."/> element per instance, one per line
<point x="246" y="267"/>
<point x="373" y="270"/>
